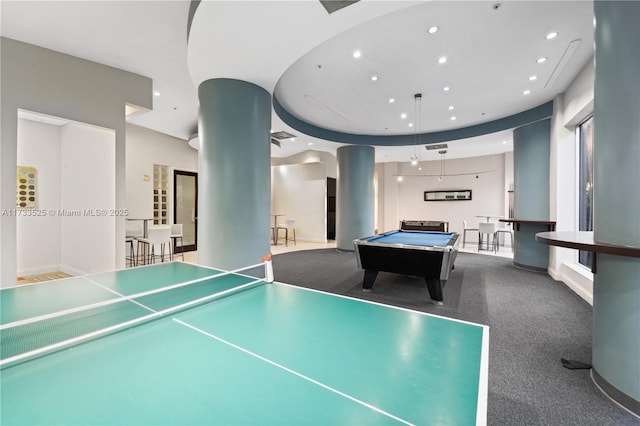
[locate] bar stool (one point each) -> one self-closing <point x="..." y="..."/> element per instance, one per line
<point x="489" y="229"/>
<point x="160" y="235"/>
<point x="506" y="230"/>
<point x="176" y="234"/>
<point x="464" y="231"/>
<point x="290" y="225"/>
<point x="131" y="258"/>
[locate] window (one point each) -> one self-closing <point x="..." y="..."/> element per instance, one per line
<point x="160" y="186"/>
<point x="585" y="183"/>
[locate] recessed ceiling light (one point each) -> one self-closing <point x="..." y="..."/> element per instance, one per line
<point x="446" y="88"/>
<point x="432" y="30"/>
<point x="442" y="60"/>
<point x="541" y="60"/>
<point x="551" y="35"/>
<point x="504" y="142"/>
<point x="357" y="54"/>
<point x="526" y="92"/>
<point x="533" y="78"/>
<point x="374" y="78"/>
<point x="156" y="93"/>
<point x="410" y="124"/>
<point x="310" y="143"/>
<point x="403" y="115"/>
<point x="453" y="118"/>
<point x="399" y="178"/>
<point x="391" y="100"/>
<point x="451" y="108"/>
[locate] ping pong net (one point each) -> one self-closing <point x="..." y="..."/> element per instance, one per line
<point x="29" y="338"/>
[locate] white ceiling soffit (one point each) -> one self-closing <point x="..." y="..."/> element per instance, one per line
<point x="490" y="55"/>
<point x="144" y="37"/>
<point x="41" y="118"/>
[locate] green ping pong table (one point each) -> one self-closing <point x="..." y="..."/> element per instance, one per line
<point x="177" y="344"/>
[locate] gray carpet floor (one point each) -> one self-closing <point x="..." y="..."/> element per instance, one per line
<point x="534" y="322"/>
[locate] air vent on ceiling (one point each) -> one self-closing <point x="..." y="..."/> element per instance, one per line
<point x="335" y="5"/>
<point x="276" y="142"/>
<point x="438" y="146"/>
<point x="282" y="135"/>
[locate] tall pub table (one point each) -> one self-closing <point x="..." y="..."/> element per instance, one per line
<point x="275" y="227"/>
<point x="488" y="217"/>
<point x="145" y="224"/>
<point x="614" y="326"/>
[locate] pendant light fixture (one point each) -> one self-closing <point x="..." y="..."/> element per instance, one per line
<point x="443" y="170"/>
<point x="415" y="160"/>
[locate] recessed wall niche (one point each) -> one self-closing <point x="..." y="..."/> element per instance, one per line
<point x="26" y="184"/>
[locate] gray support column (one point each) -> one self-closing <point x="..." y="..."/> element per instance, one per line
<point x="531" y="153"/>
<point x="234" y="178"/>
<point x="616" y="292"/>
<point x="355" y="195"/>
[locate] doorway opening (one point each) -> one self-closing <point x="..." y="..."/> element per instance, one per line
<point x="331" y="208"/>
<point x="185" y="208"/>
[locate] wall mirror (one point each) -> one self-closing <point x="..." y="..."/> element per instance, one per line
<point x="453" y="195"/>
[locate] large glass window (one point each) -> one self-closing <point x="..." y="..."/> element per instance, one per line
<point x="585" y="183"/>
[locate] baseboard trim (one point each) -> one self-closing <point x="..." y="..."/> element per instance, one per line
<point x="529" y="268"/>
<point x="625" y="401"/>
<point x="39" y="270"/>
<point x="578" y="279"/>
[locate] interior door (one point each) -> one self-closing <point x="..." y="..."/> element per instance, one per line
<point x="185" y="206"/>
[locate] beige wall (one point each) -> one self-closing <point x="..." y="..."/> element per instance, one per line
<point x="144" y="149"/>
<point x="60" y="85"/>
<point x="405" y="200"/>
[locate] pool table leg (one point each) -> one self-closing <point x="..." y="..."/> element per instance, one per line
<point x="435" y="289"/>
<point x="369" y="277"/>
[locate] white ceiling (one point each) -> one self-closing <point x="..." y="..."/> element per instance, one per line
<point x="297" y="51"/>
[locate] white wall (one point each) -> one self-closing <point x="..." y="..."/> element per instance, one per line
<point x="88" y="187"/>
<point x="570" y="109"/>
<point x="38" y="237"/>
<point x="75" y="230"/>
<point x="405" y="199"/>
<point x="329" y="160"/>
<point x="300" y="192"/>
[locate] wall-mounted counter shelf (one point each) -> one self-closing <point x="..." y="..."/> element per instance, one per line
<point x="551" y="225"/>
<point x="527" y="253"/>
<point x="583" y="240"/>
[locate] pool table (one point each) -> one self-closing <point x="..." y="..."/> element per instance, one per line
<point x="427" y="254"/>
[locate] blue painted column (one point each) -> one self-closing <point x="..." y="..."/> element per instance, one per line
<point x="531" y="152"/>
<point x="616" y="289"/>
<point x="234" y="179"/>
<point x="354" y="195"/>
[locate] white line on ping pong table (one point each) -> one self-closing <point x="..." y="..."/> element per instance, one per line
<point x="117" y="327"/>
<point x="302" y="376"/>
<point x="121" y="297"/>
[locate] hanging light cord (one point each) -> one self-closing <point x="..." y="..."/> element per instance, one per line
<point x="418" y="98"/>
